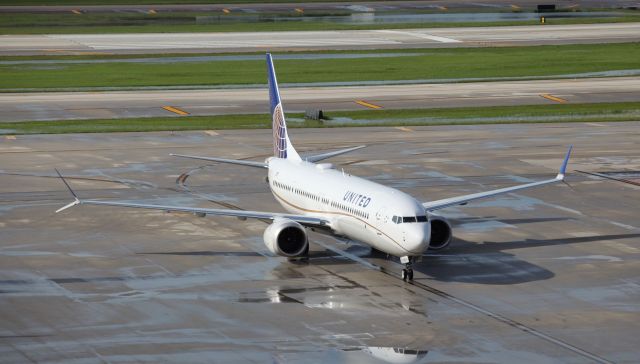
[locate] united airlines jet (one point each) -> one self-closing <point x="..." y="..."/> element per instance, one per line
<point x="319" y="197"/>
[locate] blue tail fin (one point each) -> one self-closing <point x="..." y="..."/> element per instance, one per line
<point x="282" y="147"/>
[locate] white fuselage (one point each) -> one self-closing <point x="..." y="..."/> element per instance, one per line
<point x="356" y="208"/>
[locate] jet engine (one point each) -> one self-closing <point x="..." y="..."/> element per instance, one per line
<point x="441" y="233"/>
<point x="286" y="238"/>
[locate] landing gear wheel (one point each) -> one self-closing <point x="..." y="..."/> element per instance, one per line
<point x="407" y="272"/>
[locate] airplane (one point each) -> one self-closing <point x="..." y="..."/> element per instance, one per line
<point x="323" y="199"/>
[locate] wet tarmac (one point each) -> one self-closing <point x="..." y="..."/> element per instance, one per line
<point x="547" y="275"/>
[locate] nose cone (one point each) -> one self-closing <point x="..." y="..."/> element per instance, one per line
<point x="417" y="237"/>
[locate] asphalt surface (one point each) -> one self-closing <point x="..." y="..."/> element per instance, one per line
<point x="546" y="275"/>
<point x="92" y="105"/>
<point x="316" y="40"/>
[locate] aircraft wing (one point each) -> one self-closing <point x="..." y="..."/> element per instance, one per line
<point x="463" y="200"/>
<point x="309" y="221"/>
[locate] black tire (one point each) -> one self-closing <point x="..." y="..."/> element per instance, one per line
<point x="410" y="275"/>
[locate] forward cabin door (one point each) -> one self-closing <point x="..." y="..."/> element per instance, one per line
<point x="381" y="218"/>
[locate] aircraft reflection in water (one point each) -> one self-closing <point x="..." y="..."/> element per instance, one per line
<point x="396" y="355"/>
<point x="383" y="354"/>
<point x="323" y="199"/>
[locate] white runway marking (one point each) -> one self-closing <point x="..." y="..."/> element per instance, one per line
<point x="237" y="43"/>
<point x="423" y="36"/>
<point x="591" y="257"/>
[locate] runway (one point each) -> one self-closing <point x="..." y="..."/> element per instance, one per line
<point x="356" y="6"/>
<point x="546" y="275"/>
<point x="317" y="40"/>
<point x="91" y="105"/>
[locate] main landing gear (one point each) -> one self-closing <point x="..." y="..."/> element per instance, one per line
<point x="407" y="272"/>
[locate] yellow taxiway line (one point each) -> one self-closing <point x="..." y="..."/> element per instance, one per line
<point x="554" y="98"/>
<point x="366" y="104"/>
<point x="175" y="110"/>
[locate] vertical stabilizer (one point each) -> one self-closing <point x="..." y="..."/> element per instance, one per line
<point x="282" y="147"/>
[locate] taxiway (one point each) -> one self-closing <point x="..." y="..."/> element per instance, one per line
<point x="141" y="103"/>
<point x="549" y="275"/>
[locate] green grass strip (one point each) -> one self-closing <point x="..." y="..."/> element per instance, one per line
<point x="432" y="64"/>
<point x="599" y="112"/>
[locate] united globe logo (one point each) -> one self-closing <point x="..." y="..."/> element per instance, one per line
<point x="279" y="133"/>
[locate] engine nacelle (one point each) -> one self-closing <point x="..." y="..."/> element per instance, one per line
<point x="441" y="233"/>
<point x="286" y="238"/>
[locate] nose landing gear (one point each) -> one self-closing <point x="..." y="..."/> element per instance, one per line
<point x="407" y="272"/>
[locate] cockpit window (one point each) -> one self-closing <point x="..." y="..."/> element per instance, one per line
<point x="409" y="219"/>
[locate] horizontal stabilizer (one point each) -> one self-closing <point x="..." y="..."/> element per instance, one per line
<point x="319" y="157"/>
<point x="223" y="160"/>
